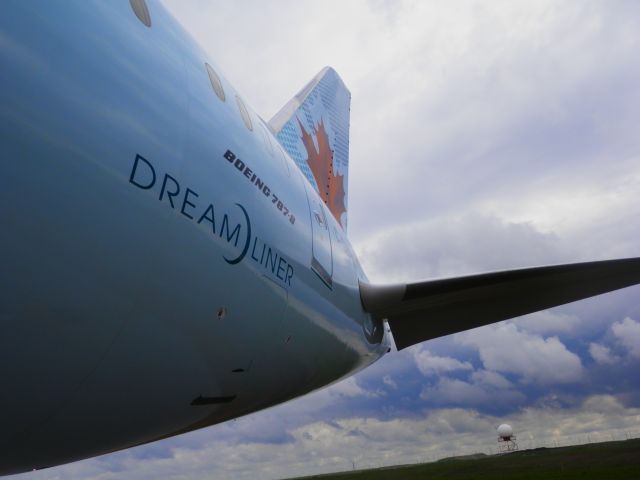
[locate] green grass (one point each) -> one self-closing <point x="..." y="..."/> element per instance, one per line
<point x="607" y="461"/>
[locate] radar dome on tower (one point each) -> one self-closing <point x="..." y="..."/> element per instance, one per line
<point x="505" y="431"/>
<point x="506" y="439"/>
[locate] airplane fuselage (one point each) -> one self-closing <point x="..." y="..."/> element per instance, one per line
<point x="156" y="252"/>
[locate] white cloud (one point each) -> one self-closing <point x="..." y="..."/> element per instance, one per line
<point x="387" y="380"/>
<point x="505" y="348"/>
<point x="491" y="379"/>
<point x="349" y="388"/>
<point x="548" y="321"/>
<point x="430" y="364"/>
<point x="628" y="334"/>
<point x="485" y="388"/>
<point x="602" y="354"/>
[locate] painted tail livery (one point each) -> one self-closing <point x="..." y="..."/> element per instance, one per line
<point x="314" y="129"/>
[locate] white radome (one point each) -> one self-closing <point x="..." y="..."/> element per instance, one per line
<point x="505" y="431"/>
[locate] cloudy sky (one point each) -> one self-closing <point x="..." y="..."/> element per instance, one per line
<point x="484" y="135"/>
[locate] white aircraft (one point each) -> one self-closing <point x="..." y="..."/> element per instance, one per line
<point x="169" y="259"/>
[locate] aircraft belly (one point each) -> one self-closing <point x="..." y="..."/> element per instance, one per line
<point x="71" y="270"/>
<point x="133" y="356"/>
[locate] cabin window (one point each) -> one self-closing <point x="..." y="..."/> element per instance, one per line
<point x="244" y="113"/>
<point x="216" y="84"/>
<point x="142" y="12"/>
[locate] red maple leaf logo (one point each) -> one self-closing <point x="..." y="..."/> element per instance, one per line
<point x="321" y="164"/>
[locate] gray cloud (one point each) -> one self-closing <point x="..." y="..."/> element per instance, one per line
<point x="484" y="388"/>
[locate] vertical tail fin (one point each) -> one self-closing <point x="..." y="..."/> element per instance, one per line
<point x="313" y="127"/>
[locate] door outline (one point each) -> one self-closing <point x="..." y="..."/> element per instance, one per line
<point x="320" y="232"/>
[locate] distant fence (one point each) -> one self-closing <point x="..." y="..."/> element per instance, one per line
<point x="525" y="442"/>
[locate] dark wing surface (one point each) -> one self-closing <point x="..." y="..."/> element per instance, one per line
<point x="420" y="311"/>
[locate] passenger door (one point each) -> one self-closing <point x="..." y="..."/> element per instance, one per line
<point x="321" y="253"/>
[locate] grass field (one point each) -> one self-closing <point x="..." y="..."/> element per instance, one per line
<point x="606" y="461"/>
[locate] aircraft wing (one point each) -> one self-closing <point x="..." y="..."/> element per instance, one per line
<point x="420" y="311"/>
